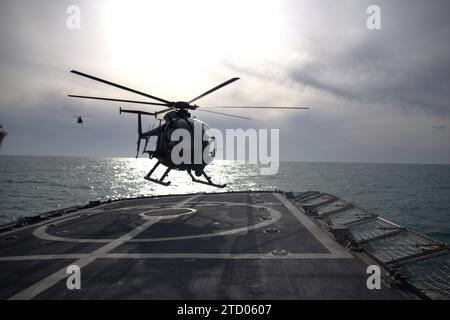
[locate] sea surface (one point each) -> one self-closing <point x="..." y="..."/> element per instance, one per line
<point x="416" y="196"/>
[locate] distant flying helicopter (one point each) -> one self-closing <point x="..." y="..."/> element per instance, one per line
<point x="3" y="134"/>
<point x="176" y="116"/>
<point x="79" y="119"/>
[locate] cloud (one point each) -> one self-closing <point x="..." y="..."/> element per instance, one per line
<point x="405" y="65"/>
<point x="440" y="127"/>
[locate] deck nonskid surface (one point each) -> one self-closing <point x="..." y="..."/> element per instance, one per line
<point x="220" y="246"/>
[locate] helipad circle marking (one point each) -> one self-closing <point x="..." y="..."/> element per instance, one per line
<point x="275" y="215"/>
<point x="144" y="215"/>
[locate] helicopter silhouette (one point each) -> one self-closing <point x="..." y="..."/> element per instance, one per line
<point x="176" y="116"/>
<point x="79" y="119"/>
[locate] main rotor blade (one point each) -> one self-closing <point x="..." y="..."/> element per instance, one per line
<point x="223" y="114"/>
<point x="119" y="100"/>
<point x="248" y="107"/>
<point x="214" y="89"/>
<point x="118" y="86"/>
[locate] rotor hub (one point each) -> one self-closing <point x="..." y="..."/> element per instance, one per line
<point x="182" y="105"/>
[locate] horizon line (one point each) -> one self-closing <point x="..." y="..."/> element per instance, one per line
<point x="310" y="161"/>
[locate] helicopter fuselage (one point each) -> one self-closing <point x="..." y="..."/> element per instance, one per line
<point x="183" y="143"/>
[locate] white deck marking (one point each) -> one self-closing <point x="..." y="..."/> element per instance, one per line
<point x="255" y="256"/>
<point x="41" y="233"/>
<point x="275" y="215"/>
<point x="88" y="211"/>
<point x="45" y="257"/>
<point x="249" y="256"/>
<point x="54" y="278"/>
<point x="332" y="246"/>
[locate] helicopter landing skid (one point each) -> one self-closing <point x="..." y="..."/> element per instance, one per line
<point x="207" y="182"/>
<point x="160" y="180"/>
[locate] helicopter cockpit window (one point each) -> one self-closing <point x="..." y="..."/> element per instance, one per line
<point x="209" y="141"/>
<point x="207" y="133"/>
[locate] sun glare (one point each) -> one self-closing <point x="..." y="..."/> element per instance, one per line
<point x="177" y="41"/>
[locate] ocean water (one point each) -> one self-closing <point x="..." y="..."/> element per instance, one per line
<point x="417" y="196"/>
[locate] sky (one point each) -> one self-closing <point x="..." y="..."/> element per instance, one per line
<point x="378" y="95"/>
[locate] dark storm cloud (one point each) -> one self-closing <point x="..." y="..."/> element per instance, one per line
<point x="367" y="79"/>
<point x="405" y="65"/>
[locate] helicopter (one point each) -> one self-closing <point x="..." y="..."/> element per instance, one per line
<point x="176" y="116"/>
<point x="79" y="119"/>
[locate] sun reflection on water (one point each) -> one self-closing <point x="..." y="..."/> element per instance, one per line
<point x="128" y="178"/>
